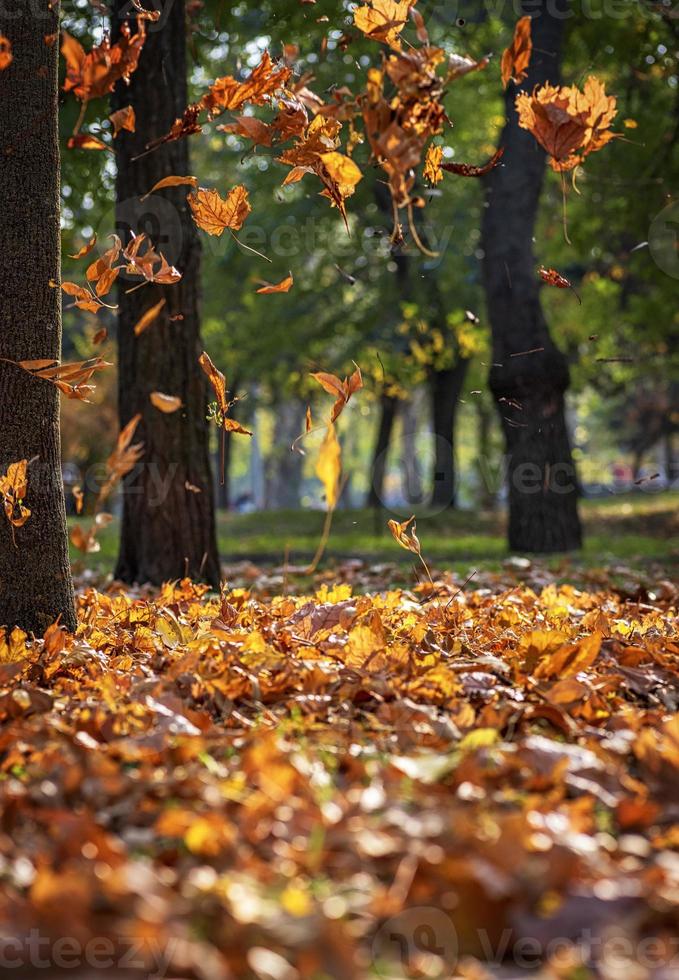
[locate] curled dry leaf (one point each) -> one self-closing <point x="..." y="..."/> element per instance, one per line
<point x="516" y="58"/>
<point x="284" y="286"/>
<point x="85" y="141"/>
<point x="218" y="382"/>
<point x="6" y="56"/>
<point x="171" y="181"/>
<point x="86" y="249"/>
<point x="554" y="278"/>
<point x="341" y="390"/>
<point x="92" y="75"/>
<point x="214" y="214"/>
<point x="409" y="541"/>
<point x="71" y="378"/>
<point x="123" y="119"/>
<point x="13" y="490"/>
<point x="469" y="170"/>
<point x="165" y="403"/>
<point x="148" y="317"/>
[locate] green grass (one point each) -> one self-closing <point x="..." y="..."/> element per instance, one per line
<point x="637" y="529"/>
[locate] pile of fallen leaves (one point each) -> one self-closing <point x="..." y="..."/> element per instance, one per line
<point x="398" y="784"/>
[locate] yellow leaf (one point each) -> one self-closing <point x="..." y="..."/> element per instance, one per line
<point x="165" y="403"/>
<point x="329" y="466"/>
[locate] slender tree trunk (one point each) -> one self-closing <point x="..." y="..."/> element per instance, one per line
<point x="378" y="469"/>
<point x="168" y="529"/>
<point x="35" y="576"/>
<point x="529" y="389"/>
<point x="284" y="467"/>
<point x="487" y="492"/>
<point x="411" y="470"/>
<point x="446" y="388"/>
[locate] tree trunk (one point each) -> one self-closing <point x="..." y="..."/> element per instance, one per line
<point x="388" y="409"/>
<point x="411" y="470"/>
<point x="529" y="389"/>
<point x="35" y="575"/>
<point x="446" y="388"/>
<point x="284" y="467"/>
<point x="168" y="528"/>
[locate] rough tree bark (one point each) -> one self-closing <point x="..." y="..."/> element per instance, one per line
<point x="35" y="576"/>
<point x="168" y="529"/>
<point x="529" y="390"/>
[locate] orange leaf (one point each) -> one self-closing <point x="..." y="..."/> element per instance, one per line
<point x="83" y="141"/>
<point x="172" y="181"/>
<point x="86" y="249"/>
<point x="165" y="403"/>
<point x="6" y="56"/>
<point x="516" y="58"/>
<point x="123" y="119"/>
<point x="400" y="534"/>
<point x="383" y="20"/>
<point x="329" y="466"/>
<point x="13" y="489"/>
<point x="148" y="317"/>
<point x="284" y="286"/>
<point x="214" y="214"/>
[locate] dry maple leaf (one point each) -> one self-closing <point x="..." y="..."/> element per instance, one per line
<point x="123" y="119"/>
<point x="71" y="378"/>
<point x="214" y="214"/>
<point x="6" y="56"/>
<point x="568" y="123"/>
<point x="151" y="265"/>
<point x="92" y="75"/>
<point x="13" y="490"/>
<point x="383" y="20"/>
<point x="516" y="58"/>
<point x="284" y="286"/>
<point x="263" y="82"/>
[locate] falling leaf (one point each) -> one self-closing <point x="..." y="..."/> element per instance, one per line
<point x="218" y="382"/>
<point x="93" y="75"/>
<point x="409" y="541"/>
<point x="148" y="317"/>
<point x="5" y="52"/>
<point x="13" y="490"/>
<point x="86" y="249"/>
<point x="79" y="498"/>
<point x="84" y="141"/>
<point x="554" y="278"/>
<point x="329" y="466"/>
<point x="214" y="214"/>
<point x="172" y="181"/>
<point x="469" y="170"/>
<point x="308" y="422"/>
<point x="383" y="20"/>
<point x="165" y="403"/>
<point x="432" y="164"/>
<point x="284" y="286"/>
<point x="568" y="123"/>
<point x="340" y="390"/>
<point x="516" y="58"/>
<point x="123" y="119"/>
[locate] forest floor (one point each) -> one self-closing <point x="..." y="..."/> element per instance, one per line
<point x="352" y="777"/>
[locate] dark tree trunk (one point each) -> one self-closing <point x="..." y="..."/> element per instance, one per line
<point x="388" y="409"/>
<point x="284" y="467"/>
<point x="446" y="388"/>
<point x="529" y="389"/>
<point x="35" y="576"/>
<point x="168" y="529"/>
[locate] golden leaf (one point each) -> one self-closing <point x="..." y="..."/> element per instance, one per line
<point x="214" y="214"/>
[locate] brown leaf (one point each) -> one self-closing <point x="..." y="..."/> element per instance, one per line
<point x="84" y="141"/>
<point x="13" y="489"/>
<point x="400" y="534"/>
<point x="86" y="249"/>
<point x="172" y="181"/>
<point x="469" y="170"/>
<point x="6" y="56"/>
